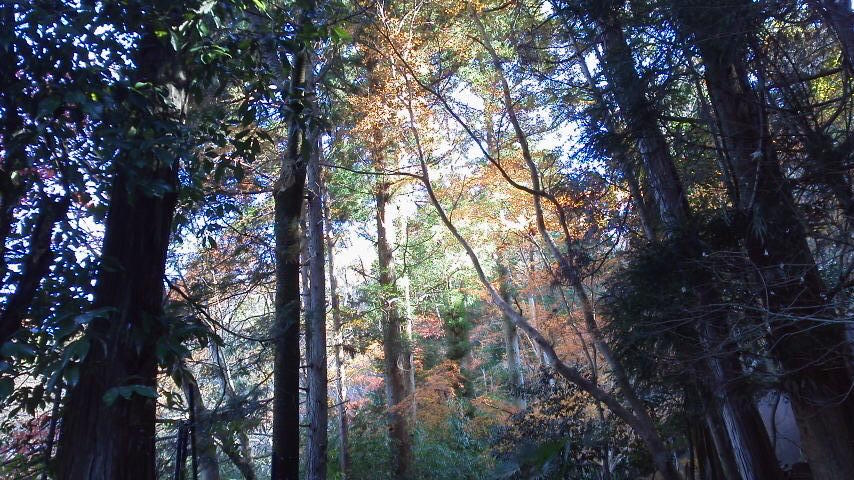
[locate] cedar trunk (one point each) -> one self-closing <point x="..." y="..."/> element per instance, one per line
<point x="340" y="382"/>
<point x="746" y="435"/>
<point x="395" y="354"/>
<point x="394" y="350"/>
<point x="511" y="338"/>
<point x="811" y="349"/>
<point x="316" y="331"/>
<point x="101" y="441"/>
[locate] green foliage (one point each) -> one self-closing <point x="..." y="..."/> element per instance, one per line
<point x="457" y="327"/>
<point x="448" y="451"/>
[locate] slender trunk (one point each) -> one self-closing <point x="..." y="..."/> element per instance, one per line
<point x="511" y="339"/>
<point x="108" y="441"/>
<point x="512" y="354"/>
<point x="606" y="448"/>
<point x="51" y="432"/>
<point x="808" y="344"/>
<point x="202" y="427"/>
<point x="410" y="362"/>
<point x="394" y="348"/>
<point x="712" y="469"/>
<point x="240" y="453"/>
<point x="288" y="198"/>
<point x="340" y="382"/>
<point x="35" y="266"/>
<point x="316" y="339"/>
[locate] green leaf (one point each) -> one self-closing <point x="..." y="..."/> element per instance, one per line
<point x="7" y="385"/>
<point x="77" y="349"/>
<point x="143" y="391"/>
<point x="128" y="391"/>
<point x="16" y="349"/>
<point x="175" y="40"/>
<point x="207" y="6"/>
<point x="340" y="34"/>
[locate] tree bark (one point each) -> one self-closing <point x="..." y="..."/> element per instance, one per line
<point x="746" y="434"/>
<point x="101" y="441"/>
<point x="512" y="355"/>
<point x="806" y="341"/>
<point x="316" y="331"/>
<point x="340" y="382"/>
<point x="288" y="198"/>
<point x="202" y="426"/>
<point x="393" y="346"/>
<point x="410" y="351"/>
<point x="394" y="349"/>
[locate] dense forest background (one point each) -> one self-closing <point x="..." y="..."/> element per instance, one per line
<point x="426" y="239"/>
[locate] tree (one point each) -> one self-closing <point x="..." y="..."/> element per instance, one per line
<point x="129" y="290"/>
<point x="288" y="197"/>
<point x="775" y="240"/>
<point x="316" y="331"/>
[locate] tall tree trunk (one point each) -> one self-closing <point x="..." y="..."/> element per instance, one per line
<point x="394" y="348"/>
<point x="640" y="117"/>
<point x="410" y="350"/>
<point x="809" y="345"/>
<point x="340" y="381"/>
<point x="393" y="345"/>
<point x="202" y="426"/>
<point x="240" y="453"/>
<point x="108" y="441"/>
<point x="512" y="355"/>
<point x="747" y="437"/>
<point x="316" y="332"/>
<point x="288" y="198"/>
